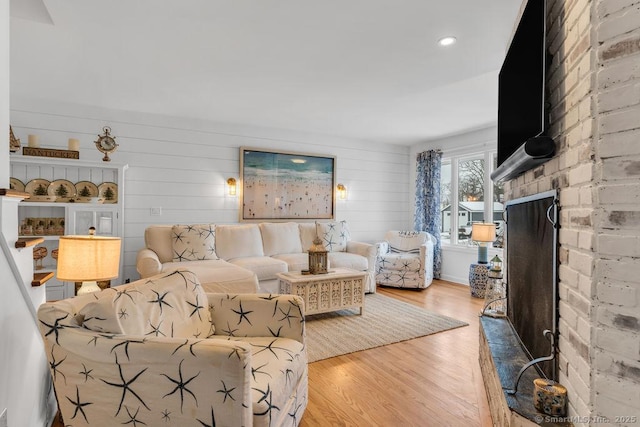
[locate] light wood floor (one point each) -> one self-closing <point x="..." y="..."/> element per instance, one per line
<point x="428" y="381"/>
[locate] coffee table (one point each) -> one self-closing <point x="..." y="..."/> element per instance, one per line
<point x="340" y="288"/>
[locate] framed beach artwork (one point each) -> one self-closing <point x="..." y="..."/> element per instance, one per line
<point x="286" y="185"/>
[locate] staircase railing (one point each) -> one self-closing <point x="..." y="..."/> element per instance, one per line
<point x="15" y="270"/>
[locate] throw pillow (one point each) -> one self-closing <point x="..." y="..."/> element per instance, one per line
<point x="308" y="232"/>
<point x="406" y="241"/>
<point x="239" y="241"/>
<point x="334" y="235"/>
<point x="170" y="305"/>
<point x="193" y="242"/>
<point x="280" y="238"/>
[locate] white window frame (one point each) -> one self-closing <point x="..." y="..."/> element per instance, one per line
<point x="455" y="160"/>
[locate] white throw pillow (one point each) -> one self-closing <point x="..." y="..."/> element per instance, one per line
<point x="334" y="235"/>
<point x="280" y="238"/>
<point x="238" y="241"/>
<point x="308" y="232"/>
<point x="193" y="242"/>
<point x="172" y="305"/>
<point x="406" y="241"/>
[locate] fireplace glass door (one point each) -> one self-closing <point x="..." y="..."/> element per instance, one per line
<point x="531" y="257"/>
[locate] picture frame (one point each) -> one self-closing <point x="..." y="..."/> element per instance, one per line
<point x="285" y="185"/>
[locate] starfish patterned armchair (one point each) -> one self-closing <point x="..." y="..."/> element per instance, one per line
<point x="405" y="259"/>
<point x="160" y="351"/>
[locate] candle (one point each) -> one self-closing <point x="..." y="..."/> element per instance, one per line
<point x="33" y="141"/>
<point x="74" y="144"/>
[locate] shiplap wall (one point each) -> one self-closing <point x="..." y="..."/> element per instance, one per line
<point x="181" y="165"/>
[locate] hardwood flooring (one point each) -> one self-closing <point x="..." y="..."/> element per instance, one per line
<point x="428" y="381"/>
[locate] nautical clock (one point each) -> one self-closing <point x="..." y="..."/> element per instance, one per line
<point x="106" y="143"/>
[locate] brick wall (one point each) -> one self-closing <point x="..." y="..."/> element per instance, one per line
<point x="616" y="303"/>
<point x="594" y="97"/>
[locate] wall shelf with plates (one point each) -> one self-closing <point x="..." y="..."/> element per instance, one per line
<point x="68" y="197"/>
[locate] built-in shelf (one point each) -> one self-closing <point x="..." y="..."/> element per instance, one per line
<point x="25" y="242"/>
<point x="6" y="192"/>
<point x="40" y="279"/>
<point x="53" y="219"/>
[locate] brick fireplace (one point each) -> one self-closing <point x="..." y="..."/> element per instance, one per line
<point x="594" y="97"/>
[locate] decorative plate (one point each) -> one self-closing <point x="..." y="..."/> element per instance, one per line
<point x="86" y="191"/>
<point x="38" y="190"/>
<point x="39" y="252"/>
<point x="108" y="191"/>
<point x="63" y="189"/>
<point x="16" y="184"/>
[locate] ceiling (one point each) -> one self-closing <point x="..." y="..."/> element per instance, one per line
<point x="363" y="69"/>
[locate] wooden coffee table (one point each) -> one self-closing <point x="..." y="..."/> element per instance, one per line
<point x="339" y="289"/>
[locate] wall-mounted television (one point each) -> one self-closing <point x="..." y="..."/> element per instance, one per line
<point x="522" y="115"/>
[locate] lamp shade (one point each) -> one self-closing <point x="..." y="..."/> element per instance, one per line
<point x="88" y="258"/>
<point x="483" y="232"/>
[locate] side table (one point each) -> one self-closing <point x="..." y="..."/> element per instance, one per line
<point x="478" y="278"/>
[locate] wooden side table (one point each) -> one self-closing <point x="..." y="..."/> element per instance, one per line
<point x="339" y="289"/>
<point x="478" y="278"/>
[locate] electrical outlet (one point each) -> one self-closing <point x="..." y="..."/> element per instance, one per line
<point x="3" y="418"/>
<point x="154" y="212"/>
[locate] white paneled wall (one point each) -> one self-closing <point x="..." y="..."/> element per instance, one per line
<point x="181" y="165"/>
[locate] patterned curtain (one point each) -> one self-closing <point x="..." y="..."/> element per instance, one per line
<point x="427" y="215"/>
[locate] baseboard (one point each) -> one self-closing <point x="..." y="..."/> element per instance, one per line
<point x="455" y="279"/>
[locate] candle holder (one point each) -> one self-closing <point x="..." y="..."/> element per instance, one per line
<point x="495" y="293"/>
<point x="317" y="257"/>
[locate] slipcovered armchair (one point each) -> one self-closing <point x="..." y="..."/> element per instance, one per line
<point x="405" y="259"/>
<point x="160" y="351"/>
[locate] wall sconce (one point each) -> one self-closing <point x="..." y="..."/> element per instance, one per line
<point x="342" y="191"/>
<point x="232" y="186"/>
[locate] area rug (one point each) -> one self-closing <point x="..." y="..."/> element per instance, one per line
<point x="385" y="321"/>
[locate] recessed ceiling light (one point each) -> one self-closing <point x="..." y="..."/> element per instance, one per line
<point x="447" y="41"/>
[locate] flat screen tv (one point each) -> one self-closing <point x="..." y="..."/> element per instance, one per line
<point x="522" y="116"/>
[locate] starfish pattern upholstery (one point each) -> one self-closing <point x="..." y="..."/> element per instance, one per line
<point x="405" y="260"/>
<point x="334" y="235"/>
<point x="248" y="367"/>
<point x="193" y="242"/>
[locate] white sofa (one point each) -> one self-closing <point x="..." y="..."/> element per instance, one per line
<point x="247" y="257"/>
<point x="161" y="351"/>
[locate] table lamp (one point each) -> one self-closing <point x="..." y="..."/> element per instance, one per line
<point x="88" y="259"/>
<point x="483" y="233"/>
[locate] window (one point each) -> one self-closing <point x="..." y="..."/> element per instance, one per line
<point x="468" y="195"/>
<point x="445" y="201"/>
